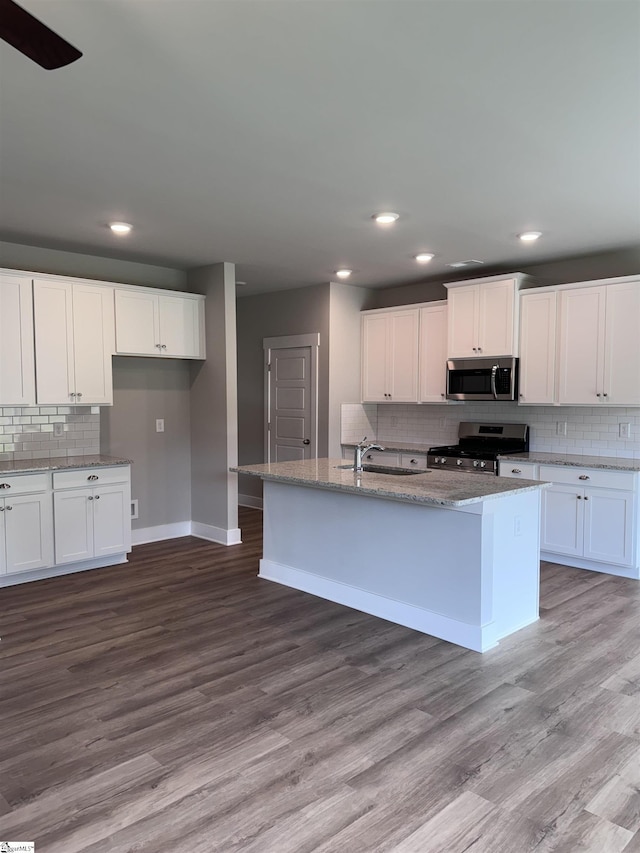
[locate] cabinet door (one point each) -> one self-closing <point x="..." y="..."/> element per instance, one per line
<point x="562" y="520"/>
<point x="93" y="332"/>
<point x="622" y="345"/>
<point x="137" y="323"/>
<point x="608" y="526"/>
<point x="29" y="532"/>
<point x="537" y="348"/>
<point x="180" y="327"/>
<point x="463" y="313"/>
<point x="111" y="520"/>
<point x="374" y="357"/>
<point x="497" y="318"/>
<point x="53" y="319"/>
<point x="433" y="354"/>
<point x="17" y="372"/>
<point x="581" y="345"/>
<point x="73" y="525"/>
<point x="402" y="369"/>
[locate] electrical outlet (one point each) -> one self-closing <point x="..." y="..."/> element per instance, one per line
<point x="394" y="422"/>
<point x="517" y="525"/>
<point x="58" y="430"/>
<point x="561" y="427"/>
<point x="134" y="507"/>
<point x="624" y="430"/>
<point x="159" y="424"/>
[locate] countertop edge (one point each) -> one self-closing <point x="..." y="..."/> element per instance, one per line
<point x="32" y="466"/>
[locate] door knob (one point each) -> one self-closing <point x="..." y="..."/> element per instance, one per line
<point x="306" y="441"/>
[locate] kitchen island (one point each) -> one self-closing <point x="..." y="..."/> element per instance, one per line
<point x="453" y="555"/>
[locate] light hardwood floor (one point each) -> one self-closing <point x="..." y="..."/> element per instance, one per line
<point x="179" y="703"/>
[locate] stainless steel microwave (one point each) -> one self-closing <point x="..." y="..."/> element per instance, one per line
<point x="482" y="379"/>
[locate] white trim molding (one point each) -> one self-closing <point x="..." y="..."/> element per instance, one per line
<point x="250" y="501"/>
<point x="216" y="534"/>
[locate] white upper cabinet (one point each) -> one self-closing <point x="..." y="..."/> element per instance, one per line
<point x="433" y="353"/>
<point x="599" y="345"/>
<point x="73" y="343"/>
<point x="153" y="323"/>
<point x="482" y="318"/>
<point x="17" y="373"/>
<point x="537" y="347"/>
<point x="390" y="356"/>
<point x="621" y="384"/>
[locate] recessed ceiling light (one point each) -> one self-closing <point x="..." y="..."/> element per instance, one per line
<point x="343" y="273"/>
<point x="530" y="236"/>
<point x="120" y="227"/>
<point x="386" y="218"/>
<point x="424" y="257"/>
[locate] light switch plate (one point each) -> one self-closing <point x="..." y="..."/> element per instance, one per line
<point x="561" y="427"/>
<point x="159" y="424"/>
<point x="624" y="430"/>
<point x="58" y="430"/>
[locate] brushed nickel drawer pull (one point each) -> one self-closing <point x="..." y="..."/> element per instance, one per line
<point x="92" y="477"/>
<point x="5" y="485"/>
<point x="584" y="477"/>
<point x="9" y="507"/>
<point x="516" y="471"/>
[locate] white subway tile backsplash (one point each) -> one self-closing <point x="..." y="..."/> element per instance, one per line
<point x="27" y="433"/>
<point x="591" y="430"/>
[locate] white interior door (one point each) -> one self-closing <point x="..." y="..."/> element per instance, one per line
<point x="291" y="389"/>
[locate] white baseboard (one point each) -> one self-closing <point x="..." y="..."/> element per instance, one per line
<point x="65" y="569"/>
<point x="216" y="534"/>
<point x="591" y="565"/>
<point x="475" y="637"/>
<point x="250" y="501"/>
<point x="161" y="531"/>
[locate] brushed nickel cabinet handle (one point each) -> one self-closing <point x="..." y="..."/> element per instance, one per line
<point x="1" y="509"/>
<point x="92" y="477"/>
<point x="584" y="477"/>
<point x="79" y="394"/>
<point x="5" y="485"/>
<point x="97" y="497"/>
<point x="90" y="498"/>
<point x="9" y="507"/>
<point x="579" y="497"/>
<point x="516" y="470"/>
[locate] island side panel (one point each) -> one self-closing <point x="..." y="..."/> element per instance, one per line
<point x="419" y="566"/>
<point x="511" y="542"/>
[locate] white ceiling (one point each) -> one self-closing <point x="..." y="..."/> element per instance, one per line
<point x="266" y="133"/>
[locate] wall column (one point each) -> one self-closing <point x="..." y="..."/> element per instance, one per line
<point x="214" y="410"/>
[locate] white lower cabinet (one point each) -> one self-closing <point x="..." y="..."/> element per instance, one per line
<point x="74" y="516"/>
<point x="590" y="516"/>
<point x="26" y="533"/>
<point x="91" y="521"/>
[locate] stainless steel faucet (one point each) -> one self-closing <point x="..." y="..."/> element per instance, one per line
<point x="361" y="449"/>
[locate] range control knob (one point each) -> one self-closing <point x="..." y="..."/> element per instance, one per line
<point x="443" y="460"/>
<point x="458" y="461"/>
<point x="475" y="463"/>
<point x="483" y="464"/>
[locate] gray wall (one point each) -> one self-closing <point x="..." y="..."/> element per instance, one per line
<point x="285" y="312"/>
<point x="56" y="262"/>
<point x="345" y="305"/>
<point x="561" y="271"/>
<point x="145" y="389"/>
<point x="214" y="402"/>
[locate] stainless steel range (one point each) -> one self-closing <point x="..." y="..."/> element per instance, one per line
<point x="479" y="447"/>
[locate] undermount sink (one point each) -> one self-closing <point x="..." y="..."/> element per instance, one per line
<point x="382" y="469"/>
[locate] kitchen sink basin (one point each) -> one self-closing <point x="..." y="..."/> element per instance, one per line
<point x="382" y="469"/>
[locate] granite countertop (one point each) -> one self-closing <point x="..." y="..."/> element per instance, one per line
<point x="575" y="460"/>
<point x="59" y="463"/>
<point x="437" y="488"/>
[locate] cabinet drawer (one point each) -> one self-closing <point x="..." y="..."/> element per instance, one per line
<point x="382" y="457"/>
<point x="410" y="460"/>
<point x="83" y="477"/>
<point x="519" y="470"/>
<point x="588" y="477"/>
<point x="22" y="484"/>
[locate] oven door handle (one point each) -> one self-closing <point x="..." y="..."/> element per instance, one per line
<point x="494" y="371"/>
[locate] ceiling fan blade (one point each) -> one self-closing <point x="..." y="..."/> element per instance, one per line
<point x="33" y="38"/>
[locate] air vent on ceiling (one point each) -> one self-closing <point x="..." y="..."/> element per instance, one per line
<point x="469" y="263"/>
